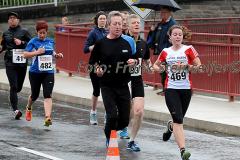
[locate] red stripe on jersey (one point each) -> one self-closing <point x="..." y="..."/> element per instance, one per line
<point x="191" y="54"/>
<point x="162" y="57"/>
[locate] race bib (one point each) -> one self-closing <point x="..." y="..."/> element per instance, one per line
<point x="178" y="76"/>
<point x="137" y="70"/>
<point x="18" y="56"/>
<point x="45" y="63"/>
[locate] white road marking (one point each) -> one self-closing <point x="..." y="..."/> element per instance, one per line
<point x="38" y="153"/>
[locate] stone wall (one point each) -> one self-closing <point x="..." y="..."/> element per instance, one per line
<point x="207" y="9"/>
<point x="190" y="9"/>
<point x="67" y="8"/>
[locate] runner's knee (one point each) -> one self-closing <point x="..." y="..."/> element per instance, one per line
<point x="13" y="87"/>
<point x="47" y="95"/>
<point x="138" y="112"/>
<point x="96" y="92"/>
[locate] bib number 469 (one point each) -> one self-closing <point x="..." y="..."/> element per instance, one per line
<point x="178" y="76"/>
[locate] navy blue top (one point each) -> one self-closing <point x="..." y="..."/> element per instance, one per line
<point x="158" y="39"/>
<point x="94" y="35"/>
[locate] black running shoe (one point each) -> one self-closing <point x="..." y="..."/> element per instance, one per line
<point x="18" y="114"/>
<point x="132" y="146"/>
<point x="185" y="155"/>
<point x="167" y="134"/>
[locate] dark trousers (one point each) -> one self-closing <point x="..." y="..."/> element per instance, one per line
<point x="117" y="106"/>
<point x="163" y="79"/>
<point x="16" y="76"/>
<point x="95" y="84"/>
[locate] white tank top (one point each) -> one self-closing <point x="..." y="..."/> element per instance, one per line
<point x="178" y="78"/>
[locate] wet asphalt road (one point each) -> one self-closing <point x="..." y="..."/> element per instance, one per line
<point x="72" y="138"/>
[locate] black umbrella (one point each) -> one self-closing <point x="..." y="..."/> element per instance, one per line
<point x="157" y="4"/>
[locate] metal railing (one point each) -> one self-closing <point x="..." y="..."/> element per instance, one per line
<point x="225" y="25"/>
<point x="13" y="3"/>
<point x="219" y="53"/>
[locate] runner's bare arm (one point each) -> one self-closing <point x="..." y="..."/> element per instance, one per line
<point x="33" y="53"/>
<point x="196" y="64"/>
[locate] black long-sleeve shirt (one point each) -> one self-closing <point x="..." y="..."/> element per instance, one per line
<point x="8" y="43"/>
<point x="112" y="55"/>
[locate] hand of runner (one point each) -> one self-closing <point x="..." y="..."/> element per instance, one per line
<point x="151" y="70"/>
<point x="59" y="55"/>
<point x="41" y="50"/>
<point x="17" y="41"/>
<point x="161" y="68"/>
<point x="99" y="71"/>
<point x="180" y="66"/>
<point x="132" y="62"/>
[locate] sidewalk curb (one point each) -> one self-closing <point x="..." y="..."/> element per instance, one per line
<point x="148" y="114"/>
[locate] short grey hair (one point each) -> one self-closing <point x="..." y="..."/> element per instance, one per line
<point x="125" y="12"/>
<point x="113" y="14"/>
<point x="132" y="16"/>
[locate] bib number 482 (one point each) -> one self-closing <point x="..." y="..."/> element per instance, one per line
<point x="46" y="66"/>
<point x="45" y="63"/>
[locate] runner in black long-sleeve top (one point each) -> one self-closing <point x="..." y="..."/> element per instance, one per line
<point x="13" y="43"/>
<point x="113" y="55"/>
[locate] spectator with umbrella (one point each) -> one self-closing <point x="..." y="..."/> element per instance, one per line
<point x="158" y="39"/>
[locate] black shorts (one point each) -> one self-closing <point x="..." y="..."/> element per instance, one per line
<point x="44" y="79"/>
<point x="137" y="86"/>
<point x="177" y="101"/>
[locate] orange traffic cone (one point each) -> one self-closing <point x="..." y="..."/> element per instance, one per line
<point x="113" y="150"/>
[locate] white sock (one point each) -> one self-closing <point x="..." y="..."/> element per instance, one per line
<point x="93" y="112"/>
